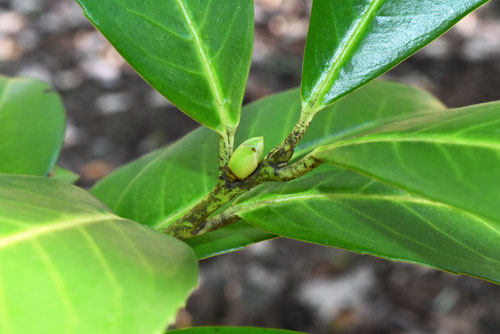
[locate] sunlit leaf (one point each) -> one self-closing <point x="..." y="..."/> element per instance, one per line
<point x="68" y="265"/>
<point x="32" y="124"/>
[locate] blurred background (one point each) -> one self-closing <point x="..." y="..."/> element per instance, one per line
<point x="114" y="116"/>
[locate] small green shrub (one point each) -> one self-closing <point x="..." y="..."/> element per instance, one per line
<point x="376" y="167"/>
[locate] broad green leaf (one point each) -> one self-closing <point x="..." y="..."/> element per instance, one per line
<point x="64" y="175"/>
<point x="68" y="265"/>
<point x="339" y="208"/>
<point x="451" y="156"/>
<point x="230" y="330"/>
<point x="352" y="42"/>
<point x="32" y="124"/>
<point x="195" y="52"/>
<point x="159" y="188"/>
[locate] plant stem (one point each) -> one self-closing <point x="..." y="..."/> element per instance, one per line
<point x="283" y="152"/>
<point x="193" y="222"/>
<point x="212" y="224"/>
<point x="226" y="146"/>
<point x="275" y="167"/>
<point x="220" y="195"/>
<point x="299" y="168"/>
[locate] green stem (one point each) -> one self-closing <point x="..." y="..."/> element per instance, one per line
<point x="194" y="222"/>
<point x="297" y="169"/>
<point x="283" y="152"/>
<point x="226" y="146"/>
<point x="212" y="224"/>
<point x="301" y="167"/>
<point x="274" y="168"/>
<point x="220" y="195"/>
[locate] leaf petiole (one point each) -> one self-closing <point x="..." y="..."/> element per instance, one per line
<point x="282" y="153"/>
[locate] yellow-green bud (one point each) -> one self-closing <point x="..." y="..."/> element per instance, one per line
<point x="245" y="159"/>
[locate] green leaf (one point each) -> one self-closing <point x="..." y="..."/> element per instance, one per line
<point x="196" y="53"/>
<point x="372" y="105"/>
<point x="352" y="42"/>
<point x="451" y="156"/>
<point x="230" y="330"/>
<point x="64" y="175"/>
<point x="229" y="239"/>
<point x="342" y="209"/>
<point x="32" y="124"/>
<point x="71" y="266"/>
<point x="160" y="187"/>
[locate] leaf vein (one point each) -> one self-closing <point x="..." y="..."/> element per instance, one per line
<point x="60" y="286"/>
<point x="52" y="228"/>
<point x="159" y="25"/>
<point x="214" y="85"/>
<point x="118" y="292"/>
<point x="326" y="81"/>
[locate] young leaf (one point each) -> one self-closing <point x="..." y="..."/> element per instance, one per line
<point x="352" y="42"/>
<point x="159" y="188"/>
<point x="230" y="330"/>
<point x="451" y="156"/>
<point x="342" y="209"/>
<point x="196" y="53"/>
<point x="71" y="266"/>
<point x="32" y="124"/>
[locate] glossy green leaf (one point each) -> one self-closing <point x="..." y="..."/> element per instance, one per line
<point x="32" y="124"/>
<point x="352" y="42"/>
<point x="68" y="265"/>
<point x="451" y="156"/>
<point x="339" y="208"/>
<point x="230" y="330"/>
<point x="160" y="187"/>
<point x="195" y="52"/>
<point x="64" y="175"/>
<point x="364" y="109"/>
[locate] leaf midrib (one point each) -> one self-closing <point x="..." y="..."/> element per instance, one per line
<point x="244" y="207"/>
<point x="212" y="79"/>
<point x="432" y="139"/>
<point x="398" y="199"/>
<point x="326" y="82"/>
<point x="52" y="228"/>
